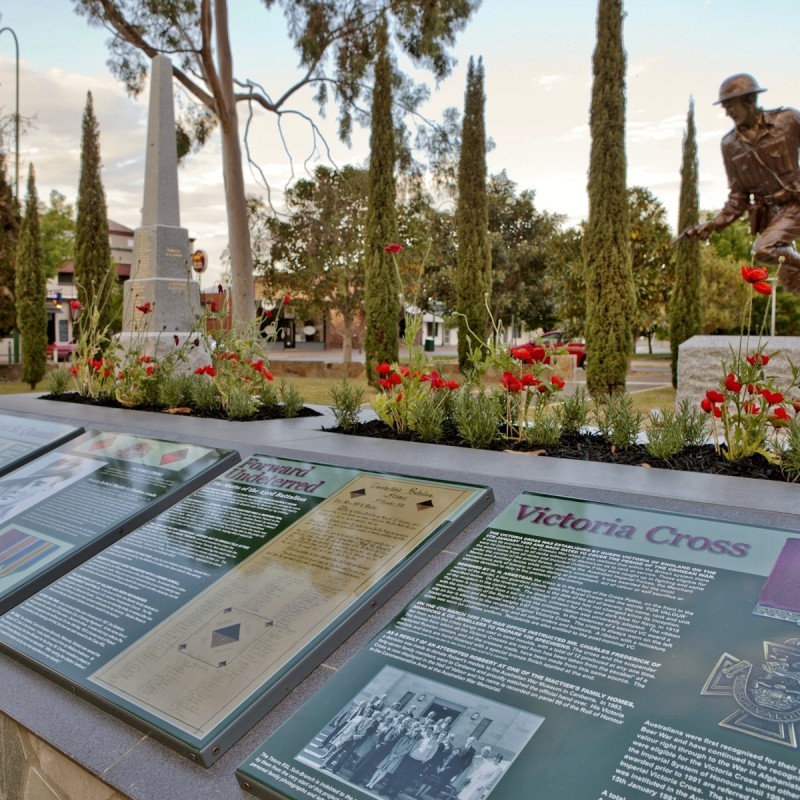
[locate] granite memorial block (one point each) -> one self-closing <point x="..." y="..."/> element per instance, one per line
<point x="574" y="650"/>
<point x="195" y="624"/>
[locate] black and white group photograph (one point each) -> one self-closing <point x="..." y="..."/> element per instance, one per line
<point x="406" y="737"/>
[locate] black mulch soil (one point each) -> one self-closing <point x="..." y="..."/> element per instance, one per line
<point x="272" y="412"/>
<point x="593" y="447"/>
<point x="581" y="446"/>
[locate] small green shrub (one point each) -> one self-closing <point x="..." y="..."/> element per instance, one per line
<point x="176" y="391"/>
<point x="545" y="428"/>
<point x="427" y="416"/>
<point x="476" y="417"/>
<point x="57" y="381"/>
<point x="617" y="419"/>
<point x="242" y="403"/>
<point x="205" y="395"/>
<point x="291" y="399"/>
<point x="347" y="399"/>
<point x="789" y="457"/>
<point x="574" y="411"/>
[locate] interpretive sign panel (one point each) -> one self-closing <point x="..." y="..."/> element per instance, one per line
<point x="576" y="650"/>
<point x="195" y="624"/>
<point x="24" y="438"/>
<point x="66" y="505"/>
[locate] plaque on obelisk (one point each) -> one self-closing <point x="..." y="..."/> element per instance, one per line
<point x="160" y="296"/>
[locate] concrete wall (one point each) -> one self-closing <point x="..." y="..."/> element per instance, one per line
<point x="32" y="770"/>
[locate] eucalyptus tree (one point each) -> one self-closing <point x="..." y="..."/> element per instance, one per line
<point x="336" y="45"/>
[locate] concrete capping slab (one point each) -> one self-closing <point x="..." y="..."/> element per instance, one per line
<point x="139" y="768"/>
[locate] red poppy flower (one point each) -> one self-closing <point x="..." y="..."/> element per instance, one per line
<point x="754" y="274"/>
<point x="522" y="353"/>
<point x="714" y="396"/>
<point x="758" y="359"/>
<point x="384" y="382"/>
<point x="145" y="308"/>
<point x="762" y="287"/>
<point x="393" y="248"/>
<point x="529" y="380"/>
<point x="405" y="371"/>
<point x="206" y="370"/>
<point x="287" y="299"/>
<point x="510" y="383"/>
<point x="394" y="379"/>
<point x="384" y="368"/>
<point x="779" y="416"/>
<point x="752" y="408"/>
<point x="452" y="385"/>
<point x="75" y="305"/>
<point x="710" y="408"/>
<point x="150" y="369"/>
<point x="557" y="382"/>
<point x="731" y="384"/>
<point x="213" y="307"/>
<point x="772" y="398"/>
<point x="74" y="370"/>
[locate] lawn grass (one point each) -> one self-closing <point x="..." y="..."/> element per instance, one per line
<point x="315" y="391"/>
<point x="18" y="387"/>
<point x="649" y="399"/>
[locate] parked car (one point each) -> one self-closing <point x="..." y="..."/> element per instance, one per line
<point x="551" y="342"/>
<point x="65" y="350"/>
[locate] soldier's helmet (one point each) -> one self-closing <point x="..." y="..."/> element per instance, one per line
<point x="738" y="86"/>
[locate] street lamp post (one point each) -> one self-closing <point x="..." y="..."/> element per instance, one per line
<point x="16" y="115"/>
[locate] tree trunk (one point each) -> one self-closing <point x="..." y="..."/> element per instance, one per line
<point x="242" y="290"/>
<point x="347" y="339"/>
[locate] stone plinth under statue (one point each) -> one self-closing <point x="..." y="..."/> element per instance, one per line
<point x="700" y="361"/>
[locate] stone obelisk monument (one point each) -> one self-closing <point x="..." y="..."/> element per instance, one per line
<point x="160" y="300"/>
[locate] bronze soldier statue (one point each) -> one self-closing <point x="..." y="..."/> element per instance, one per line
<point x="761" y="161"/>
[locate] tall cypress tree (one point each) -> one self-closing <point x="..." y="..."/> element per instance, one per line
<point x="610" y="292"/>
<point x="382" y="286"/>
<point x="9" y="234"/>
<point x="94" y="272"/>
<point x="685" y="313"/>
<point x="474" y="260"/>
<point x="31" y="310"/>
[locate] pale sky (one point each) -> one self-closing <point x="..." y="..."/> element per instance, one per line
<point x="537" y="59"/>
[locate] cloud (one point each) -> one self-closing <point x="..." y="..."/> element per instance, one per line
<point x="549" y="82"/>
<point x="646" y="131"/>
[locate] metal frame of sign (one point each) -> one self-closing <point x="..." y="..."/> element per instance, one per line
<point x="431" y="511"/>
<point x="216" y="461"/>
<point x="10" y="432"/>
<point x="663" y="644"/>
